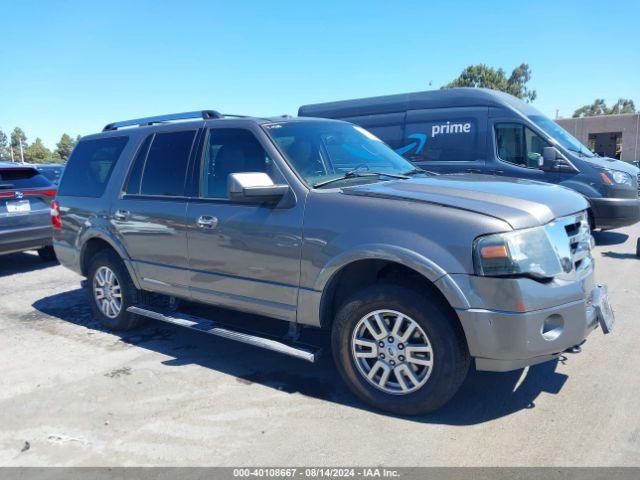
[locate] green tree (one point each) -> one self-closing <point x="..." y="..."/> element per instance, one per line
<point x="623" y="105"/>
<point x="483" y="76"/>
<point x="17" y="137"/>
<point x="64" y="147"/>
<point x="37" y="153"/>
<point x="5" y="154"/>
<point x="599" y="107"/>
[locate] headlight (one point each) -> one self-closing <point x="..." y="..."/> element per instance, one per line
<point x="521" y="252"/>
<point x="617" y="177"/>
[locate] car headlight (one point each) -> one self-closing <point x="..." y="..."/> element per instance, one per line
<point x="617" y="177"/>
<point x="527" y="252"/>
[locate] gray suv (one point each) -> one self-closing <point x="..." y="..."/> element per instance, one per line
<point x="319" y="224"/>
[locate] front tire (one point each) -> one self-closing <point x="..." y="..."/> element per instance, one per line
<point x="111" y="291"/>
<point x="399" y="350"/>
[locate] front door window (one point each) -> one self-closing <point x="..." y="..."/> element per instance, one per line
<point x="519" y="145"/>
<point x="231" y="150"/>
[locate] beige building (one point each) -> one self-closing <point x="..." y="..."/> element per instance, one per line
<point x="615" y="136"/>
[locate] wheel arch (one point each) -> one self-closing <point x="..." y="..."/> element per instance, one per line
<point x="96" y="241"/>
<point x="351" y="272"/>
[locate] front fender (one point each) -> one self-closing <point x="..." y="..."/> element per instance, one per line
<point x="310" y="301"/>
<point x="588" y="191"/>
<point x="379" y="251"/>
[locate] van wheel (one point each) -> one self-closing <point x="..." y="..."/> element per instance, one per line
<point x="111" y="292"/>
<point x="399" y="350"/>
<point x="47" y="254"/>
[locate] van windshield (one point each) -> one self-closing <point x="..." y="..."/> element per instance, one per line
<point x="331" y="153"/>
<point x="563" y="137"/>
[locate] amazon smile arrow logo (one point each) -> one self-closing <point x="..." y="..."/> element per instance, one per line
<point x="421" y="139"/>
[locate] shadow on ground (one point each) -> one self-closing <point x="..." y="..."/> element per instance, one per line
<point x="610" y="238"/>
<point x="21" y="263"/>
<point x="621" y="256"/>
<point x="484" y="396"/>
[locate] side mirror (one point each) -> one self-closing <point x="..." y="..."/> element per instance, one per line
<point x="549" y="157"/>
<point x="554" y="161"/>
<point x="254" y="187"/>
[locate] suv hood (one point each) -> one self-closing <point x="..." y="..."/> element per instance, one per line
<point x="613" y="164"/>
<point x="520" y="203"/>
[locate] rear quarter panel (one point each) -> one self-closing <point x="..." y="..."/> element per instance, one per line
<point x="84" y="217"/>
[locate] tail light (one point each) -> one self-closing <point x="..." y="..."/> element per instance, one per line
<point x="48" y="192"/>
<point x="56" y="219"/>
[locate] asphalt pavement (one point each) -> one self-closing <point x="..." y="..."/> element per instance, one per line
<point x="74" y="394"/>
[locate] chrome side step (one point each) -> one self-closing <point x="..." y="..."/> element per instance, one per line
<point x="304" y="352"/>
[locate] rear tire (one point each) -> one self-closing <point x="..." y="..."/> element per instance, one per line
<point x="47" y="254"/>
<point x="111" y="291"/>
<point x="361" y="346"/>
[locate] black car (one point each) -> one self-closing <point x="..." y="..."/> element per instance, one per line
<point x="25" y="222"/>
<point x="52" y="171"/>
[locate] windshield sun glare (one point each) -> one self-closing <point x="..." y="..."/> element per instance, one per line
<point x="326" y="152"/>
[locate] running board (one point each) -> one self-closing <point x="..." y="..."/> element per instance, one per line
<point x="304" y="352"/>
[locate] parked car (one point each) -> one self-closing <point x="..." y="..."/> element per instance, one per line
<point x="25" y="224"/>
<point x="319" y="224"/>
<point x="485" y="131"/>
<point x="53" y="171"/>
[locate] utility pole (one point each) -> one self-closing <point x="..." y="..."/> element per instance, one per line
<point x="11" y="150"/>
<point x="21" y="152"/>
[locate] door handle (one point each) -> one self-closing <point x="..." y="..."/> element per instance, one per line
<point x="474" y="170"/>
<point x="121" y="214"/>
<point x="497" y="172"/>
<point x="207" y="221"/>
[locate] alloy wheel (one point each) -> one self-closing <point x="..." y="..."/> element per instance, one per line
<point x="392" y="352"/>
<point x="107" y="292"/>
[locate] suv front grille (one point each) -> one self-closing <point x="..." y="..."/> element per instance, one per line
<point x="580" y="240"/>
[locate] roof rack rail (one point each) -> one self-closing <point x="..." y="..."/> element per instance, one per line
<point x="233" y="115"/>
<point x="204" y="114"/>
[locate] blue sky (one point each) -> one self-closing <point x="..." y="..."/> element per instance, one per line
<point x="72" y="66"/>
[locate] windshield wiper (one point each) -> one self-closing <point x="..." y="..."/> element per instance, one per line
<point x="417" y="171"/>
<point x="356" y="174"/>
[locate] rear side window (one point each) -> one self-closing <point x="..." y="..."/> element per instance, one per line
<point x="22" y="178"/>
<point x="135" y="175"/>
<point x="166" y="166"/>
<point x="90" y="166"/>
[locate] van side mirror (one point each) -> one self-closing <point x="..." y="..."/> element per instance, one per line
<point x="549" y="156"/>
<point x="254" y="187"/>
<point x="554" y="161"/>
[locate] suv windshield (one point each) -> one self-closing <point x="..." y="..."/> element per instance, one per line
<point x="323" y="151"/>
<point x="563" y="137"/>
